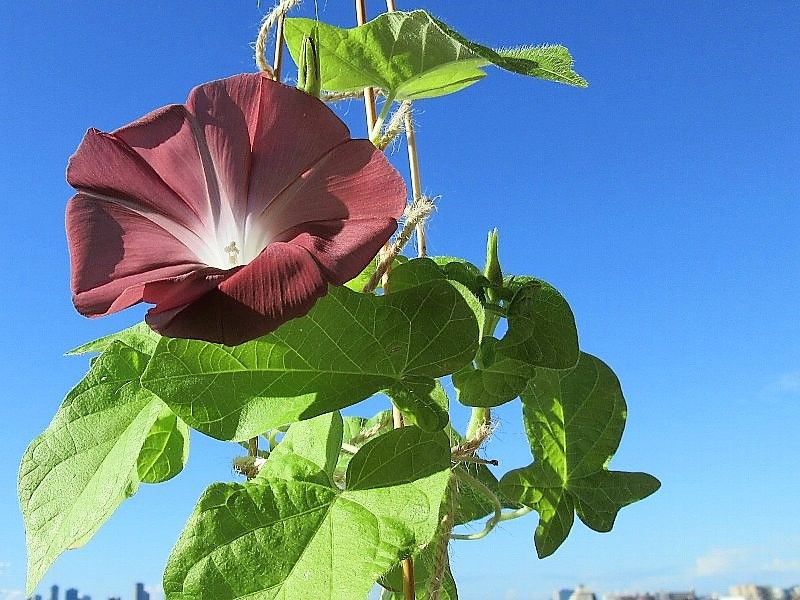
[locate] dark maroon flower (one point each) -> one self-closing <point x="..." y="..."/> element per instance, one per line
<point x="231" y="214"/>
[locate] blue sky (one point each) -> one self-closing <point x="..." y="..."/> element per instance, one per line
<point x="662" y="201"/>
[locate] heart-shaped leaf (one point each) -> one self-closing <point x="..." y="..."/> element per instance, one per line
<point x="349" y="347"/>
<point x="281" y="538"/>
<point x="80" y="469"/>
<point x="412" y="55"/>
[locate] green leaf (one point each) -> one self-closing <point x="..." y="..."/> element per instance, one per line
<point x="75" y="474"/>
<point x="574" y="421"/>
<point x="423" y="401"/>
<point x="541" y="328"/>
<point x="165" y="450"/>
<point x="471" y="502"/>
<point x="139" y="337"/>
<point x="498" y="380"/>
<point x="358" y="431"/>
<point x="302" y="540"/>
<point x="411" y="55"/>
<point x="419" y="271"/>
<point x="347" y="348"/>
<point x="317" y="440"/>
<point x="541" y="333"/>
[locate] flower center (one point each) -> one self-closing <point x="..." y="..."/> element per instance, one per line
<point x="233" y="253"/>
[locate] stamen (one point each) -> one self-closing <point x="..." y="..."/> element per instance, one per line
<point x="233" y="253"/>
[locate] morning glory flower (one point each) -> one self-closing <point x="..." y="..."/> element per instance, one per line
<point x="231" y="214"/>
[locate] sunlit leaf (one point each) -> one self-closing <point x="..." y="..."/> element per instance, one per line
<point x="299" y="539"/>
<point x="139" y="337"/>
<point x="80" y="469"/>
<point x="349" y="347"/>
<point x="412" y="55"/>
<point x="165" y="450"/>
<point x="541" y="333"/>
<point x="574" y="421"/>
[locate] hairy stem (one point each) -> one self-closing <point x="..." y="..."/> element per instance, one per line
<point x="441" y="557"/>
<point x="375" y="133"/>
<point x="416" y="185"/>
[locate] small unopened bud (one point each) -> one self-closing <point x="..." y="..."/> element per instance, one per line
<point x="308" y="73"/>
<point x="492" y="270"/>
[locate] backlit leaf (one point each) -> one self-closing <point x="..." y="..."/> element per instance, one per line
<point x="165" y="450"/>
<point x="574" y="421"/>
<point x="349" y="347"/>
<point x="79" y="470"/>
<point x="298" y="539"/>
<point x="139" y="337"/>
<point x="411" y="55"/>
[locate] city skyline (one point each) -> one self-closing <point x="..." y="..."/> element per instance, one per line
<point x="72" y="593"/>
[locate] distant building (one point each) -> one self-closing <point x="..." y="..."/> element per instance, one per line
<point x="86" y="597"/>
<point x="54" y="593"/>
<point x="140" y="594"/>
<point x="630" y="596"/>
<point x="36" y="597"/>
<point x="71" y="594"/>
<point x="562" y="594"/>
<point x="677" y="596"/>
<point x="114" y="598"/>
<point x="583" y="593"/>
<point x="751" y="592"/>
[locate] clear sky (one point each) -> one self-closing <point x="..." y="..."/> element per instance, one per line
<point x="662" y="201"/>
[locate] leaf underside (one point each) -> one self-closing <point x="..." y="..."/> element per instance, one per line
<point x="79" y="470"/>
<point x="574" y="421"/>
<point x="318" y="541"/>
<point x="412" y="55"/>
<point x="349" y="347"/>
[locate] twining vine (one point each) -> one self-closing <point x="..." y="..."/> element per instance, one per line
<point x="267" y="241"/>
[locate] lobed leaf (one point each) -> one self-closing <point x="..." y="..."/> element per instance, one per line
<point x="299" y="539"/>
<point x="79" y="470"/>
<point x="574" y="421"/>
<point x="412" y="55"/>
<point x="347" y="348"/>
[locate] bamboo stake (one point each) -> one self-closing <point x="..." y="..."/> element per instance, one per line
<point x="278" y="61"/>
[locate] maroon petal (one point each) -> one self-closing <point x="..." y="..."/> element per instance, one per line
<point x="284" y="282"/>
<point x="344" y="248"/>
<point x="115" y="252"/>
<point x="107" y="166"/>
<point x="165" y="139"/>
<point x="352" y="181"/>
<point x="294" y="130"/>
<point x="225" y="111"/>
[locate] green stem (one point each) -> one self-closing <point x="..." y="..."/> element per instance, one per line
<point x="497" y="517"/>
<point x="478" y="417"/>
<point x="491" y="318"/>
<point x="375" y="134"/>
